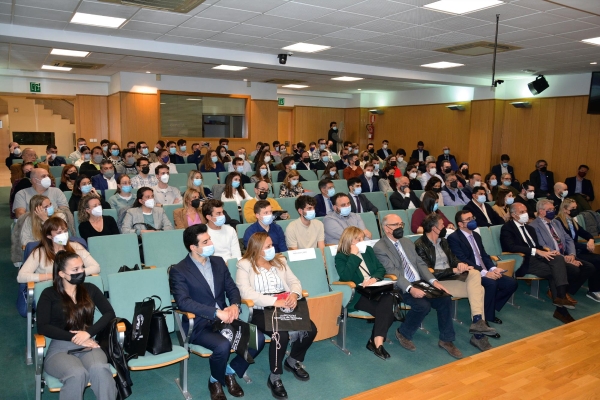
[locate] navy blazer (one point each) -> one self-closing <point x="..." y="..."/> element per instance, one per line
<point x="497" y="170"/>
<point x="99" y="183"/>
<point x="192" y="292"/>
<point x="320" y="209"/>
<point x="365" y="184"/>
<point x="586" y="187"/>
<point x="461" y="247"/>
<point x="536" y="181"/>
<point x="480" y="217"/>
<point x="381" y="154"/>
<point x="415" y="154"/>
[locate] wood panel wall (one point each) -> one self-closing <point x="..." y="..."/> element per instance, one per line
<point x="114" y="118"/>
<point x="312" y="123"/>
<point x="91" y="117"/>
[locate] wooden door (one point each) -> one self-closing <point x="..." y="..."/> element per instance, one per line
<point x="285" y="125"/>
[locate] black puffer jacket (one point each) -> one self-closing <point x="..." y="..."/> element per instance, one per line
<point x="426" y="250"/>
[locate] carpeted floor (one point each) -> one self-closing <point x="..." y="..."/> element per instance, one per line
<point x="333" y="374"/>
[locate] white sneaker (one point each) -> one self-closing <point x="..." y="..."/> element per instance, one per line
<point x="594" y="296"/>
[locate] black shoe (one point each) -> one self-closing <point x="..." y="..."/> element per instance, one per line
<point x="496" y="321"/>
<point x="216" y="391"/>
<point x="496" y="336"/>
<point x="233" y="387"/>
<point x="299" y="372"/>
<point x="277" y="389"/>
<point x="377" y="350"/>
<point x="384" y="351"/>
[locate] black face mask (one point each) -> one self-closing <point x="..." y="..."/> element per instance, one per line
<point x="77" y="279"/>
<point x="465" y="172"/>
<point x="437" y="190"/>
<point x="366" y="158"/>
<point x="447" y="170"/>
<point x="442" y="233"/>
<point x="145" y="170"/>
<point x="263" y="195"/>
<point x="544" y="169"/>
<point x="73" y="176"/>
<point x="357" y="163"/>
<point x="454" y="184"/>
<point x="28" y="174"/>
<point x="398" y="233"/>
<point x="196" y="203"/>
<point x="306" y="159"/>
<point x="371" y="150"/>
<point x="574" y="213"/>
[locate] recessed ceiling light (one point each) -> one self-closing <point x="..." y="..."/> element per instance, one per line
<point x="70" y="53"/>
<point x="358" y="89"/>
<point x="194" y="99"/>
<point x="54" y="68"/>
<point x="462" y="6"/>
<point x="97" y="20"/>
<point x="148" y="72"/>
<point x="442" y="64"/>
<point x="593" y="63"/>
<point x="306" y="47"/>
<point x="292" y="86"/>
<point x="595" y="41"/>
<point x="229" y="67"/>
<point x="346" y="78"/>
<point x="163" y="103"/>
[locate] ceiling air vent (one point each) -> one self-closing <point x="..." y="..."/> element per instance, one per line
<point x="180" y="6"/>
<point x="76" y="65"/>
<point x="477" y="48"/>
<point x="284" y="81"/>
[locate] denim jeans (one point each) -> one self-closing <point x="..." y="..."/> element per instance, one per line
<point x="419" y="308"/>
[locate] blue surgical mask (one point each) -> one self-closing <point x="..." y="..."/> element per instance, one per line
<point x="332" y="172"/>
<point x="550" y="214"/>
<point x="267" y="219"/>
<point x="50" y="211"/>
<point x="235" y="184"/>
<point x="293" y="166"/>
<point x="493" y="182"/>
<point x="506" y="183"/>
<point x="226" y="146"/>
<point x="505" y="164"/>
<point x="165" y="159"/>
<point x="114" y="153"/>
<point x="85" y="189"/>
<point x="240" y="169"/>
<point x="220" y="220"/>
<point x="208" y="251"/>
<point x="325" y="159"/>
<point x="345" y="211"/>
<point x="183" y="148"/>
<point x="435" y="207"/>
<point x="310" y="215"/>
<point x="172" y="150"/>
<point x="269" y="254"/>
<point x="214" y="159"/>
<point x="481" y="198"/>
<point x="509" y="200"/>
<point x="263" y="171"/>
<point x="322" y="147"/>
<point x="472" y="225"/>
<point x="87" y="157"/>
<point x="446" y="152"/>
<point x="357" y="190"/>
<point x="145" y="151"/>
<point x="294" y="182"/>
<point x="331" y="192"/>
<point x="126" y="188"/>
<point x="197" y="182"/>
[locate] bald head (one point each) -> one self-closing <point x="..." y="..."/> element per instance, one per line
<point x="29" y="155"/>
<point x="516" y="209"/>
<point x="390" y="223"/>
<point x="403" y="181"/>
<point x="559" y="188"/>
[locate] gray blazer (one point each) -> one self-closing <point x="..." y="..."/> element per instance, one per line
<point x="546" y="240"/>
<point x="134" y="216"/>
<point x="389" y="257"/>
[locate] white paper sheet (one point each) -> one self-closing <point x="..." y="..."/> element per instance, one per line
<point x="302" y="254"/>
<point x="380" y="283"/>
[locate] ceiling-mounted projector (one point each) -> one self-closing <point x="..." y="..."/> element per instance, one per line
<point x="456" y="107"/>
<point x="375" y="111"/>
<point x="521" y="104"/>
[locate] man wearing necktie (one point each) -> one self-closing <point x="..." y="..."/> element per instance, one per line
<point x="467" y="246"/>
<point x="397" y="254"/>
<point x="552" y="235"/>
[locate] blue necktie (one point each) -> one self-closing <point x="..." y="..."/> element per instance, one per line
<point x="408" y="272"/>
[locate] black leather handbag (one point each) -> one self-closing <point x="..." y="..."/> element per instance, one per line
<point x="159" y="340"/>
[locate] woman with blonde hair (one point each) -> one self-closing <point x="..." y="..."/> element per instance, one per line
<point x="356" y="262"/>
<point x="40" y="210"/>
<point x="194" y="182"/>
<point x="55" y="237"/>
<point x="291" y="186"/>
<point x="503" y="201"/>
<point x="92" y="222"/>
<point x="191" y="212"/>
<point x="265" y="278"/>
<point x="234" y="190"/>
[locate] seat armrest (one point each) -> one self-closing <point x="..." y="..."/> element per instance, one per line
<point x="391" y="276"/>
<point x="30" y="285"/>
<point x="40" y="340"/>
<point x="347" y="283"/>
<point x="508" y="252"/>
<point x="23" y="248"/>
<point x="121" y="327"/>
<point x="546" y="248"/>
<point x="149" y="267"/>
<point x="304" y="293"/>
<point x="494" y="258"/>
<point x="249" y="303"/>
<point x="189" y="315"/>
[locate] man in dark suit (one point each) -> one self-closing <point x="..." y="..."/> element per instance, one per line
<point x="324" y="160"/>
<point x="174" y="158"/>
<point x="288" y="165"/>
<point x="384" y="152"/>
<point x="342" y="163"/>
<point x="238" y="166"/>
<point x="542" y="179"/>
<point x="324" y="205"/>
<point x="368" y="179"/>
<point x="106" y="177"/>
<point x="527" y="197"/>
<point x="199" y="284"/>
<point x="504" y="168"/>
<point x="484" y="213"/>
<point x="517" y="237"/>
<point x="467" y="246"/>
<point x="420" y="154"/>
<point x="305" y="164"/>
<point x="398" y="256"/>
<point x="446" y="156"/>
<point x="581" y="190"/>
<point x="404" y="198"/>
<point x="358" y="201"/>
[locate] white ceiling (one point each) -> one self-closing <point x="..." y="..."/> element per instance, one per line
<point x="397" y="34"/>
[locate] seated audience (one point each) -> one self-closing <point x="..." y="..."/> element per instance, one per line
<point x="65" y="314"/>
<point x="404" y="198"/>
<point x="491" y="181"/>
<point x="467" y="246"/>
<point x="353" y="170"/>
<point x="223" y="236"/>
<point x="474" y="181"/>
<point x="560" y="192"/>
<point x="413" y="174"/>
<point x="341" y="218"/>
<point x="542" y="179"/>
<point x="261" y="192"/>
<point x="20" y="184"/>
<point x="172" y="149"/>
<point x="484" y="213"/>
<point x="182" y="149"/>
<point x="428" y="205"/>
<point x="142" y="150"/>
<point x="368" y="179"/>
<point x="189" y="280"/>
<point x="85" y="156"/>
<point x="504" y="199"/>
<point x="584" y="251"/>
<point x="392" y="162"/>
<point x="261" y="273"/>
<point x="76" y="155"/>
<point x="143" y="216"/>
<point x="505" y="184"/>
<point x="305" y="163"/>
<point x="387" y="181"/>
<point x="462" y="174"/>
<point x="240" y="160"/>
<point x="160" y="144"/>
<point x="225" y="143"/>
<point x="434" y="185"/>
<point x="238" y="165"/>
<point x="291" y="186"/>
<point x="527" y="198"/>
<point x="324" y="160"/>
<point x="52" y="157"/>
<point x="446" y="156"/>
<point x="82" y="186"/>
<point x="14" y="153"/>
<point x="194" y="181"/>
<point x="581" y="189"/>
<point x="458" y="278"/>
<point x="263" y="215"/>
<point x="359" y="202"/>
<point x="122" y="199"/>
<point x="401" y="160"/>
<point x="356" y="262"/>
<point x="41" y="209"/>
<point x="384" y="152"/>
<point x="165" y="159"/>
<point x="223" y="156"/>
<point x="104" y="146"/>
<point x="305" y="232"/>
<point x="143" y="177"/>
<point x="40" y="184"/>
<point x="234" y="191"/>
<point x="106" y="178"/>
<point x="330" y="172"/>
<point x="264" y="158"/>
<point x="55" y="237"/>
<point x="288" y="165"/>
<point x="504" y="167"/>
<point x="29" y="156"/>
<point x="518" y="237"/>
<point x="191" y="212"/>
<point x="129" y="160"/>
<point x="257" y="150"/>
<point x="91" y="221"/>
<point x="451" y="194"/>
<point x="163" y="193"/>
<point x="420" y="154"/>
<point x="67" y="178"/>
<point x="262" y="174"/>
<point x="445" y="170"/>
<point x="343" y="162"/>
<point x="431" y="171"/>
<point x="91" y="168"/>
<point x="324" y="205"/>
<point x="114" y="156"/>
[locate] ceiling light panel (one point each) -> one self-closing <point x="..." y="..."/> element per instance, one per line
<point x="462" y="6"/>
<point x="230" y="67"/>
<point x="295" y="86"/>
<point x="346" y="78"/>
<point x="442" y="65"/>
<point x="97" y="20"/>
<point x="595" y="41"/>
<point x="54" y="68"/>
<point x="69" y="53"/>
<point x="306" y="48"/>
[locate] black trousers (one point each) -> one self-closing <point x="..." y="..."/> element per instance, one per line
<point x="382" y="310"/>
<point x="594" y="280"/>
<point x="578" y="275"/>
<point x="299" y="348"/>
<point x="554" y="270"/>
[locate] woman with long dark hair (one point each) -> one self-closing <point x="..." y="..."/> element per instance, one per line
<point x="65" y="314"/>
<point x="144" y="214"/>
<point x="234" y="191"/>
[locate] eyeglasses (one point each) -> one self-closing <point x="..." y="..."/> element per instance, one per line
<point x="396" y="225"/>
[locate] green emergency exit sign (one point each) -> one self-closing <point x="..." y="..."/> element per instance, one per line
<point x="281" y="101"/>
<point x="35" y="87"/>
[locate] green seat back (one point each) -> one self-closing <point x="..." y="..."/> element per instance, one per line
<point x="232" y="209"/>
<point x="401" y="213"/>
<point x="163" y="248"/>
<point x="57" y="182"/>
<point x="308" y="175"/>
<point x="249" y="187"/>
<point x="413" y="238"/>
<point x="371" y="223"/>
<point x="108" y="193"/>
<point x="168" y="209"/>
<point x="289" y="204"/>
<point x="276" y="188"/>
<point x="241" y="229"/>
<point x="320" y="173"/>
<point x="409" y="214"/>
<point x="284" y="223"/>
<point x="232" y="267"/>
<point x="18" y="161"/>
<point x="209" y="179"/>
<point x="378" y="199"/>
<point x="311" y="186"/>
<point x="311" y="273"/>
<point x="333" y="276"/>
<point x="68" y="195"/>
<point x="186" y="168"/>
<point x="178" y="180"/>
<point x="127" y="288"/>
<point x="341" y="186"/>
<point x="114" y="251"/>
<point x="489" y="244"/>
<point x="223" y="176"/>
<point x="56" y="171"/>
<point x="449" y="212"/>
<point x="419" y="193"/>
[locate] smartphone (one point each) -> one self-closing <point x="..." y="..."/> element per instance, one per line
<point x="81" y="350"/>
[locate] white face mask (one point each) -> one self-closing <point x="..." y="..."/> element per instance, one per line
<point x="530" y="195"/>
<point x="362" y="247"/>
<point x="523" y="218"/>
<point x="412" y="175"/>
<point x="565" y="194"/>
<point x="476" y="183"/>
<point x="432" y="171"/>
<point x="164" y="178"/>
<point x="369" y="174"/>
<point x="149" y="203"/>
<point x="61" y="238"/>
<point x="400" y="159"/>
<point x="46" y="182"/>
<point x="97" y="211"/>
<point x="242" y="156"/>
<point x="267" y="158"/>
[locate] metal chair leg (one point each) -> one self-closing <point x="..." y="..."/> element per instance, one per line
<point x="422" y="328"/>
<point x="455" y="312"/>
<point x="511" y="301"/>
<point x="340" y="340"/>
<point x="182" y="380"/>
<point x="535" y="290"/>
